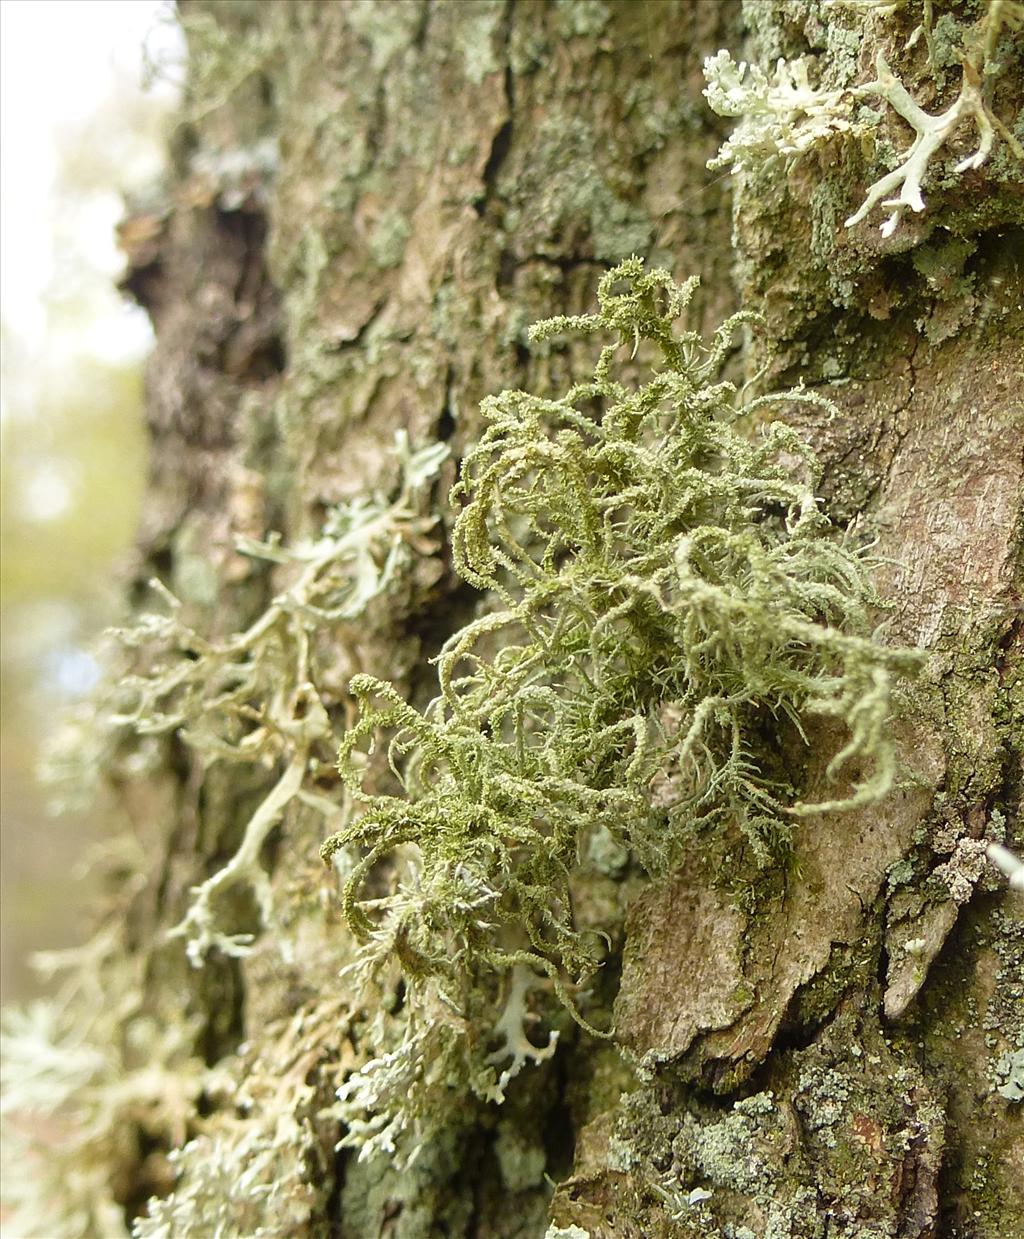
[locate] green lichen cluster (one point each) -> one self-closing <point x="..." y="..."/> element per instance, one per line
<point x="669" y="606"/>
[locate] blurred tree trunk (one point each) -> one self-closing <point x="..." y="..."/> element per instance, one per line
<point x="371" y="202"/>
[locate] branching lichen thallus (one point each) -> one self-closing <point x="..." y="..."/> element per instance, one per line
<point x="660" y="593"/>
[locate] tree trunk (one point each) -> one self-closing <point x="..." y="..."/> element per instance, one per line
<point x="371" y="202"/>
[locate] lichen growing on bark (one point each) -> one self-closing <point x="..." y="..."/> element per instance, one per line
<point x="93" y="1080"/>
<point x="666" y="596"/>
<point x="786" y="115"/>
<point x="369" y="139"/>
<point x="256" y="697"/>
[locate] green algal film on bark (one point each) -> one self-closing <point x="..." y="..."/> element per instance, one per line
<point x="664" y="596"/>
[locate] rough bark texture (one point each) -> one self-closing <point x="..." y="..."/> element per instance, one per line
<point x="371" y="202"/>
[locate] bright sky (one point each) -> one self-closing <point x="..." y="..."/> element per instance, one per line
<point x="60" y="61"/>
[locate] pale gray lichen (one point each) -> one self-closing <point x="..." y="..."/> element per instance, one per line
<point x="375" y="1103"/>
<point x="788" y="1162"/>
<point x="255" y="697"/>
<point x="931" y="134"/>
<point x="515" y="1045"/>
<point x="961" y="872"/>
<point x="1009" y="1073"/>
<point x="258" y="1166"/>
<point x="107" y="1072"/>
<point x="784" y="115"/>
<point x="728" y="1154"/>
<point x="779" y="115"/>
<point x="821" y="1098"/>
<point x="89" y="1077"/>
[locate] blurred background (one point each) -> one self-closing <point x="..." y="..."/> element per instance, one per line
<point x="88" y="89"/>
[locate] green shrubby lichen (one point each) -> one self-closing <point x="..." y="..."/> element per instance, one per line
<point x="667" y="596"/>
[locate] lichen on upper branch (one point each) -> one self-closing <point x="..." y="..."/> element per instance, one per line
<point x="784" y="115"/>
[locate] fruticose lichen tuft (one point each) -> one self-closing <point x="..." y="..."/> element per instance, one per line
<point x="256" y="696"/>
<point x="667" y="601"/>
<point x="785" y="115"/>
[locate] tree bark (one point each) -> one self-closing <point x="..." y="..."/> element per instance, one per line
<point x="370" y="203"/>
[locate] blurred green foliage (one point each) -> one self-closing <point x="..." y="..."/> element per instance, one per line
<point x="80" y="449"/>
<point x="79" y="132"/>
<point x="71" y="475"/>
